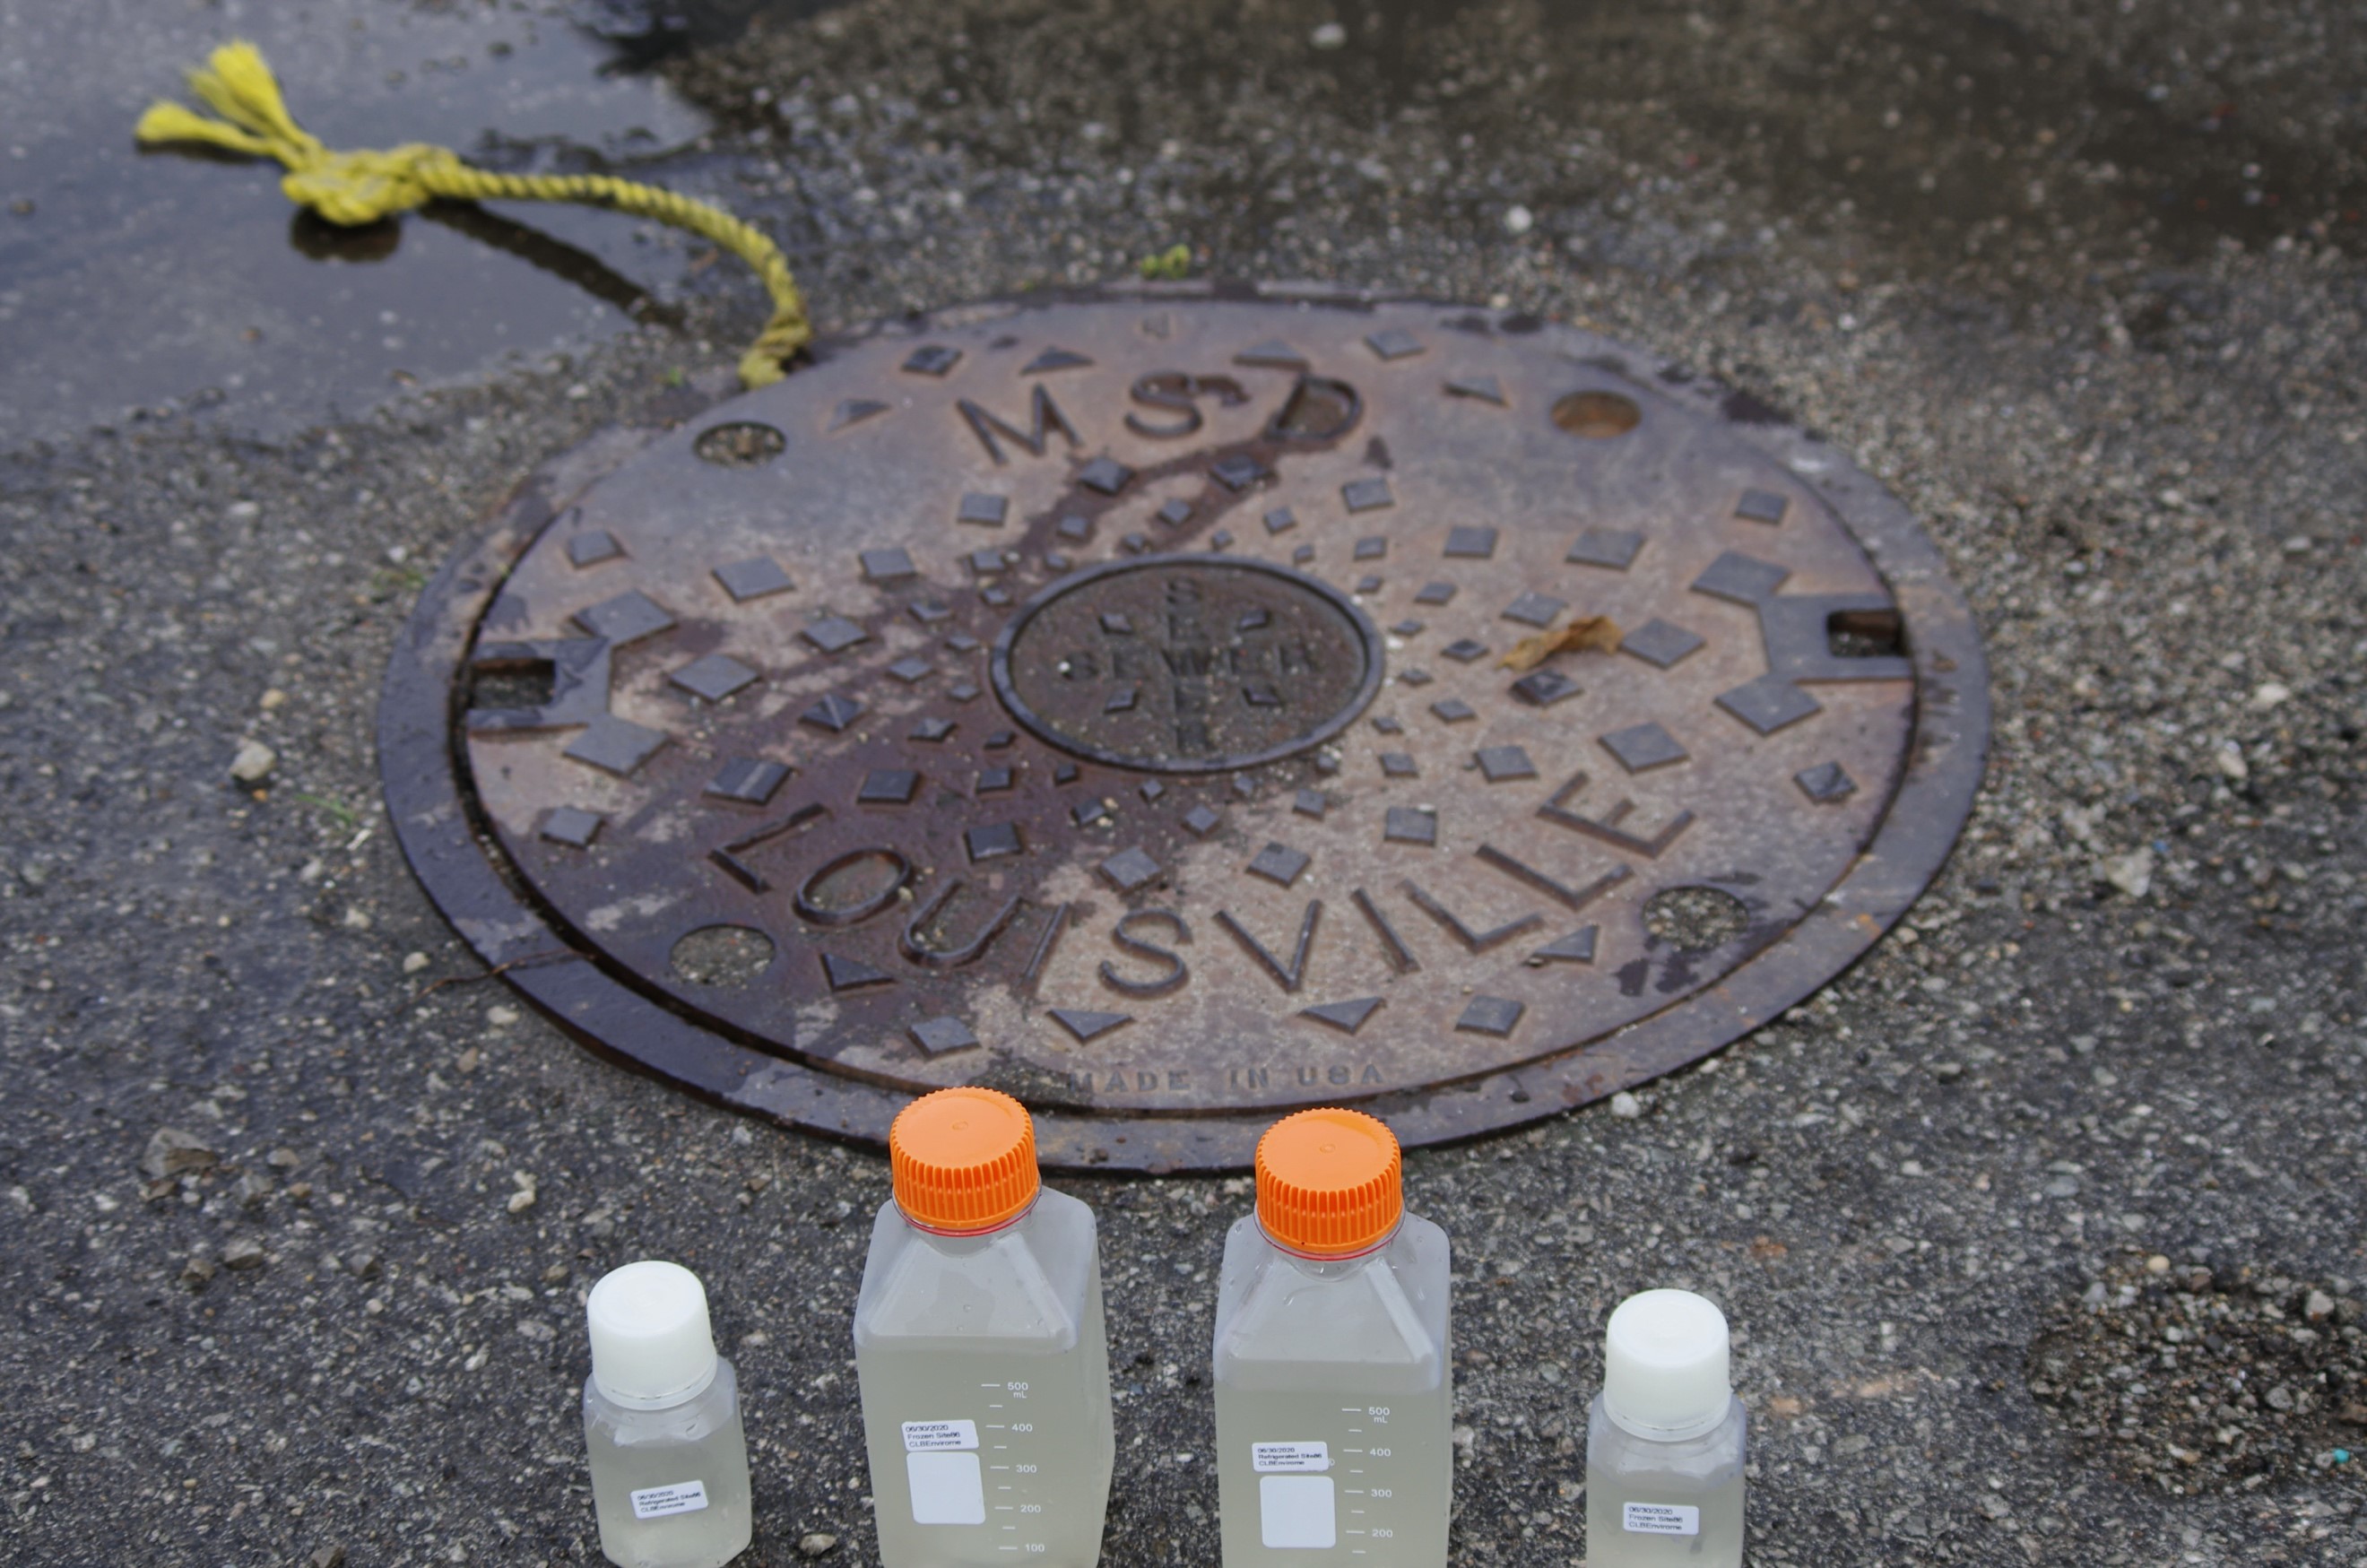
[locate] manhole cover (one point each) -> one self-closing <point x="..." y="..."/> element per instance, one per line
<point x="1109" y="699"/>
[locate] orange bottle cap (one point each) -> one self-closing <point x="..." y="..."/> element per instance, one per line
<point x="964" y="1160"/>
<point x="1329" y="1182"/>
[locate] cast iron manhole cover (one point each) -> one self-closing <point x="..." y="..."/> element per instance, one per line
<point x="1108" y="699"/>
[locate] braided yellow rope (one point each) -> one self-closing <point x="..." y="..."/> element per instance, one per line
<point x="361" y="188"/>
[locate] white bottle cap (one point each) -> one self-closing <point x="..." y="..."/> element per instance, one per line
<point x="1665" y="1375"/>
<point x="652" y="1345"/>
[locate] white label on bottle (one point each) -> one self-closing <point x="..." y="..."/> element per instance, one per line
<point x="657" y="1501"/>
<point x="1296" y="1511"/>
<point x="1660" y="1519"/>
<point x="947" y="1488"/>
<point x="934" y="1437"/>
<point x="1287" y="1457"/>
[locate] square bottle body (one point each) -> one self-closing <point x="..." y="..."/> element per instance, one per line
<point x="1653" y="1504"/>
<point x="984" y="1365"/>
<point x="1334" y="1403"/>
<point x="670" y="1486"/>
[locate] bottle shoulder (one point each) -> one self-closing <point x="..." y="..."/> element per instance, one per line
<point x="1058" y="1220"/>
<point x="1613" y="1449"/>
<point x="1055" y="1224"/>
<point x="1419" y="1248"/>
<point x="689" y="1421"/>
<point x="1421" y="1244"/>
<point x="1031" y="1280"/>
<point x="1389" y="1307"/>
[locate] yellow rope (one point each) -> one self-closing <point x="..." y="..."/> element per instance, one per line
<point x="364" y="186"/>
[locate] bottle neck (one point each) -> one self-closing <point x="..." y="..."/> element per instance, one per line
<point x="1331" y="1266"/>
<point x="962" y="1244"/>
<point x="658" y="1401"/>
<point x="1651" y="1433"/>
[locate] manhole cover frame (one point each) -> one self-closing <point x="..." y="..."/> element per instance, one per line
<point x="458" y="859"/>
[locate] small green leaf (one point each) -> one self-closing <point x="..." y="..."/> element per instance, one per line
<point x="345" y="815"/>
<point x="1171" y="265"/>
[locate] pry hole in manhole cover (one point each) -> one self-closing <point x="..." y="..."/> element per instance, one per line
<point x="722" y="956"/>
<point x="1597" y="415"/>
<point x="1864" y="634"/>
<point x="742" y="444"/>
<point x="1695" y="920"/>
<point x="521" y="681"/>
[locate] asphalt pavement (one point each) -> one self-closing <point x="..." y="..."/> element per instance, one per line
<point x="2042" y="1228"/>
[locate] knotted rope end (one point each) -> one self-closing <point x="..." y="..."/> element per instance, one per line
<point x="236" y="81"/>
<point x="354" y="188"/>
<point x="168" y="121"/>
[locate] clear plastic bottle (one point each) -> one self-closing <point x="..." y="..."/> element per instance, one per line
<point x="1334" y="1401"/>
<point x="662" y="1420"/>
<point x="981" y="1350"/>
<point x="1664" y="1440"/>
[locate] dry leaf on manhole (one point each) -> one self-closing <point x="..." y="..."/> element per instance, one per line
<point x="1597" y="633"/>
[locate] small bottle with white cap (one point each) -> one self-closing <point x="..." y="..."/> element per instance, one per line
<point x="661" y="1419"/>
<point x="1664" y="1440"/>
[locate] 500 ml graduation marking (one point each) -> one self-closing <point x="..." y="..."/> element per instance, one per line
<point x="1040" y="719"/>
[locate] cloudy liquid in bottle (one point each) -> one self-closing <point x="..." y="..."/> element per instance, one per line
<point x="1334" y="1402"/>
<point x="662" y="1424"/>
<point x="980" y="1348"/>
<point x="671" y="1487"/>
<point x="1664" y="1440"/>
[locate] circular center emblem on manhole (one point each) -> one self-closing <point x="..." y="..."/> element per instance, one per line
<point x="1178" y="711"/>
<point x="1188" y="667"/>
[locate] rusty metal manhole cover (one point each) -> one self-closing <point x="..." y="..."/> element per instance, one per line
<point x="1107" y="698"/>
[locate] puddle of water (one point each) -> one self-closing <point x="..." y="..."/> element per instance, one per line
<point x="131" y="279"/>
<point x="1932" y="121"/>
<point x="644" y="37"/>
<point x="1934" y="131"/>
<point x="1951" y="119"/>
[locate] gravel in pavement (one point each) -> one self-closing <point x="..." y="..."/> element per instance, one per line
<point x="2134" y="424"/>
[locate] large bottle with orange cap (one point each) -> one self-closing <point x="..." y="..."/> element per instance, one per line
<point x="1333" y="1396"/>
<point x="979" y="1347"/>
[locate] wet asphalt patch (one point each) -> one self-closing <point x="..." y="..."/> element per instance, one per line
<point x="2191" y="1378"/>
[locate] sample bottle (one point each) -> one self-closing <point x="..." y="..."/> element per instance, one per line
<point x="1664" y="1440"/>
<point x="661" y="1418"/>
<point x="980" y="1348"/>
<point x="1333" y="1396"/>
